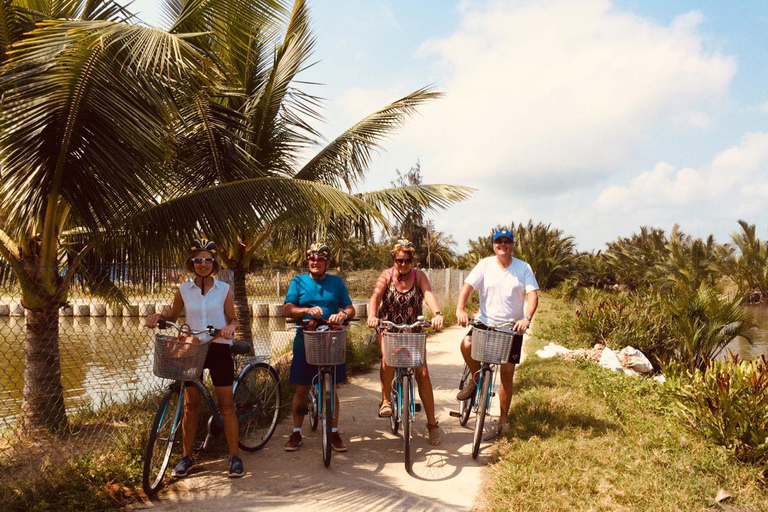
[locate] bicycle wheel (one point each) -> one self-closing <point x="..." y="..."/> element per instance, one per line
<point x="162" y="437"/>
<point x="482" y="407"/>
<point x="327" y="416"/>
<point x="394" y="418"/>
<point x="406" y="419"/>
<point x="465" y="406"/>
<point x="312" y="407"/>
<point x="257" y="405"/>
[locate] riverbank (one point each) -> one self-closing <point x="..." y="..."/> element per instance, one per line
<point x="583" y="438"/>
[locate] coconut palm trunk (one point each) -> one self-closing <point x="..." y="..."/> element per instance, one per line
<point x="43" y="406"/>
<point x="242" y="307"/>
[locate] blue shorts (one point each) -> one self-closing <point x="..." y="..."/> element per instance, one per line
<point x="302" y="372"/>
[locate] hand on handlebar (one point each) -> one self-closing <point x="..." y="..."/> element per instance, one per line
<point x="462" y="318"/>
<point x="337" y="318"/>
<point x="522" y="325"/>
<point x="227" y="332"/>
<point x="373" y="322"/>
<point x="437" y="322"/>
<point x="153" y="319"/>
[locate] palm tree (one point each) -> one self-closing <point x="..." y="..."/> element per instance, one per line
<point x="94" y="108"/>
<point x="259" y="101"/>
<point x="551" y="255"/>
<point x="749" y="269"/>
<point x="438" y="246"/>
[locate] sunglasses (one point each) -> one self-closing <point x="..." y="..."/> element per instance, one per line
<point x="403" y="261"/>
<point x="316" y="258"/>
<point x="200" y="261"/>
<point x="503" y="241"/>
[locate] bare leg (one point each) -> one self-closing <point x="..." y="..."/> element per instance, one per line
<point x="425" y="393"/>
<point x="227" y="408"/>
<point x="466" y="352"/>
<point x="189" y="422"/>
<point x="505" y="391"/>
<point x="386" y="374"/>
<point x="299" y="402"/>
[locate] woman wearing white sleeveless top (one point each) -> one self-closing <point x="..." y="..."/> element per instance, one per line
<point x="207" y="301"/>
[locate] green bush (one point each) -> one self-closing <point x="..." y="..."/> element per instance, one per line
<point x="727" y="403"/>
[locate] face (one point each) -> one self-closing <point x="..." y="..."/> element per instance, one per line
<point x="203" y="263"/>
<point x="403" y="260"/>
<point x="503" y="246"/>
<point x="317" y="265"/>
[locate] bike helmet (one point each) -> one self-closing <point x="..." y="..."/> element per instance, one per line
<point x="319" y="250"/>
<point x="403" y="244"/>
<point x="197" y="246"/>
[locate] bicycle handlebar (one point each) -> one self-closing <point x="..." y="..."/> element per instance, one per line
<point x="164" y="324"/>
<point x="420" y="322"/>
<point x="479" y="323"/>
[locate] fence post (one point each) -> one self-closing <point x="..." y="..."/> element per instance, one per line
<point x="447" y="282"/>
<point x="277" y="284"/>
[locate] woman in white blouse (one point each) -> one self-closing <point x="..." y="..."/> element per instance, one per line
<point x="207" y="301"/>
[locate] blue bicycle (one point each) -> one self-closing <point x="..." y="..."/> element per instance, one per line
<point x="404" y="350"/>
<point x="256" y="392"/>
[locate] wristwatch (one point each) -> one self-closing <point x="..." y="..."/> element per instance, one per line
<point x="529" y="318"/>
<point x="438" y="313"/>
<point x="345" y="314"/>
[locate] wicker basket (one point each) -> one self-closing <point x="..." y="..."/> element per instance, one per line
<point x="324" y="348"/>
<point x="491" y="346"/>
<point x="404" y="349"/>
<point x="178" y="360"/>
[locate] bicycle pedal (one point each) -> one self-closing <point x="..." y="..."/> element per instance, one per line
<point x="455" y="414"/>
<point x="417" y="407"/>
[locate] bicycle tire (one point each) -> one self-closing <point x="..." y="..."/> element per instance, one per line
<point x="162" y="437"/>
<point x="327" y="418"/>
<point x="465" y="406"/>
<point x="406" y="420"/>
<point x="258" y="397"/>
<point x="482" y="407"/>
<point x="312" y="407"/>
<point x="394" y="418"/>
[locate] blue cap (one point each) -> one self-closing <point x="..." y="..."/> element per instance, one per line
<point x="505" y="233"/>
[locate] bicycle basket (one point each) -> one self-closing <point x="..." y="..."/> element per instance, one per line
<point x="491" y="346"/>
<point x="324" y="348"/>
<point x="178" y="360"/>
<point x="404" y="349"/>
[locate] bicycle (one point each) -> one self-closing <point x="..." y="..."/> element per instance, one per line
<point x="404" y="350"/>
<point x="324" y="348"/>
<point x="256" y="393"/>
<point x="491" y="347"/>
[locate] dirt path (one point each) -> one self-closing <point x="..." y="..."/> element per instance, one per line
<point x="370" y="476"/>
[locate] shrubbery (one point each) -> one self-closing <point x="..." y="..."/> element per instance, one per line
<point x="727" y="403"/>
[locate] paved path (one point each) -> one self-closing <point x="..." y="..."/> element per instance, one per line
<point x="370" y="476"/>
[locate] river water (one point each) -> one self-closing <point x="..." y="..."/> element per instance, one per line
<point x="106" y="360"/>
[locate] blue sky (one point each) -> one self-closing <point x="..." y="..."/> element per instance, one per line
<point x="594" y="116"/>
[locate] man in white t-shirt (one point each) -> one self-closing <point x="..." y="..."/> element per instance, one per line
<point x="508" y="291"/>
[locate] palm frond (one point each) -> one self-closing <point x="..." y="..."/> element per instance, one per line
<point x="397" y="201"/>
<point x="86" y="115"/>
<point x="346" y="159"/>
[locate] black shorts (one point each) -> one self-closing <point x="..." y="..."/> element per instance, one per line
<point x="515" y="350"/>
<point x="219" y="362"/>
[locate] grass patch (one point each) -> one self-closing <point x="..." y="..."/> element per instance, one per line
<point x="583" y="438"/>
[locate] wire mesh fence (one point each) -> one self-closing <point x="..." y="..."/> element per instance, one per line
<point x="105" y="351"/>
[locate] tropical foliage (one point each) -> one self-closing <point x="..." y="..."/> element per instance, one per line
<point x="120" y="142"/>
<point x="749" y="267"/>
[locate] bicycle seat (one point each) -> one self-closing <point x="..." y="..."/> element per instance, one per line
<point x="240" y="348"/>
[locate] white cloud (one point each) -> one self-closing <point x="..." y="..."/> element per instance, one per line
<point x="764" y="107"/>
<point x="560" y="93"/>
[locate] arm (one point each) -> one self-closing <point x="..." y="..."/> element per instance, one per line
<point x="178" y="304"/>
<point x="531" y="303"/>
<point x="347" y="309"/>
<point x="431" y="300"/>
<point x="294" y="311"/>
<point x="461" y="316"/>
<point x="228" y="331"/>
<point x="373" y="302"/>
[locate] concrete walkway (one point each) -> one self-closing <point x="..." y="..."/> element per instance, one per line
<point x="370" y="476"/>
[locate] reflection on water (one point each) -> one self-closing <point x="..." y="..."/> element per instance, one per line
<point x="103" y="360"/>
<point x="759" y="346"/>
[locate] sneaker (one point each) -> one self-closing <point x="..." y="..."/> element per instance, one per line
<point x="235" y="467"/>
<point x="183" y="467"/>
<point x="337" y="443"/>
<point x="467" y="391"/>
<point x="293" y="442"/>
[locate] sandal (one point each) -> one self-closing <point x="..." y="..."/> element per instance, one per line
<point x="434" y="434"/>
<point x="385" y="409"/>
